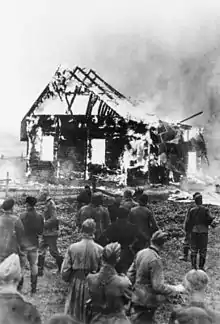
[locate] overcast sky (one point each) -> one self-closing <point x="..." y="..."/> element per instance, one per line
<point x="37" y="36"/>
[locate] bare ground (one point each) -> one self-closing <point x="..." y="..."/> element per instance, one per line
<point x="50" y="298"/>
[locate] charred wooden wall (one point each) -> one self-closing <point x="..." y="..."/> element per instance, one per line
<point x="70" y="142"/>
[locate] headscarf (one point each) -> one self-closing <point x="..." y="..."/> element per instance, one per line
<point x="10" y="269"/>
<point x="111" y="253"/>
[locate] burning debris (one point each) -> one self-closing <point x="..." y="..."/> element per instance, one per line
<point x="80" y="125"/>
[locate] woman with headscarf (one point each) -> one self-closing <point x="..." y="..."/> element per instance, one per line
<point x="13" y="307"/>
<point x="109" y="291"/>
<point x="195" y="283"/>
<point x="81" y="258"/>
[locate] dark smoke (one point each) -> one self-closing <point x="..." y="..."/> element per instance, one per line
<point x="172" y="81"/>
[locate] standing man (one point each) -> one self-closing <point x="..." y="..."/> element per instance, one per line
<point x="50" y="236"/>
<point x="96" y="211"/>
<point x="197" y="224"/>
<point x="84" y="197"/>
<point x="143" y="218"/>
<point x="33" y="227"/>
<point x="146" y="274"/>
<point x="186" y="242"/>
<point x="11" y="233"/>
<point x="127" y="201"/>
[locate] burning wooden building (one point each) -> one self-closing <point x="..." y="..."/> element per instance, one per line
<point x="80" y="124"/>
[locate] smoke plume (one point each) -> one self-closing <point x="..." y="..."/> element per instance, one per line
<point x="171" y="66"/>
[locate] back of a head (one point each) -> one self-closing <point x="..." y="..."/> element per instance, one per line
<point x="193" y="315"/>
<point x="159" y="238"/>
<point x="61" y="319"/>
<point x="127" y="194"/>
<point x="8" y="204"/>
<point x="143" y="199"/>
<point x="31" y="201"/>
<point x="196" y="280"/>
<point x="89" y="226"/>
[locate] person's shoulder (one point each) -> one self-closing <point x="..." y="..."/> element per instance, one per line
<point x="98" y="246"/>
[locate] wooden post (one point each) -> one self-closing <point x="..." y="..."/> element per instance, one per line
<point x="7" y="185"/>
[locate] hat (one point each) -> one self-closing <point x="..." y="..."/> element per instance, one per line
<point x="159" y="237"/>
<point x="10" y="269"/>
<point x="89" y="226"/>
<point x="31" y="201"/>
<point x="111" y="252"/>
<point x="8" y="204"/>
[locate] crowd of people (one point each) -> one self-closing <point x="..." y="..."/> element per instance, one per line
<point x="114" y="271"/>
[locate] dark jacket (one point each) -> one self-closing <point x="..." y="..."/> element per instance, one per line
<point x="84" y="198"/>
<point x="198" y="220"/>
<point x="100" y="215"/>
<point x="11" y="235"/>
<point x="144" y="219"/>
<point x="113" y="212"/>
<point x="128" y="203"/>
<point x="33" y="227"/>
<point x="125" y="233"/>
<point x="51" y="223"/>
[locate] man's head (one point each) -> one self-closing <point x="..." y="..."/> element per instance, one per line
<point x="89" y="226"/>
<point x="30" y="201"/>
<point x="127" y="194"/>
<point x="143" y="200"/>
<point x="87" y="188"/>
<point x="197" y="198"/>
<point x="159" y="238"/>
<point x="8" y="204"/>
<point x="196" y="281"/>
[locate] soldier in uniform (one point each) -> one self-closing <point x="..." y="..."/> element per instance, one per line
<point x="186" y="242"/>
<point x="50" y="236"/>
<point x="197" y="224"/>
<point x="146" y="274"/>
